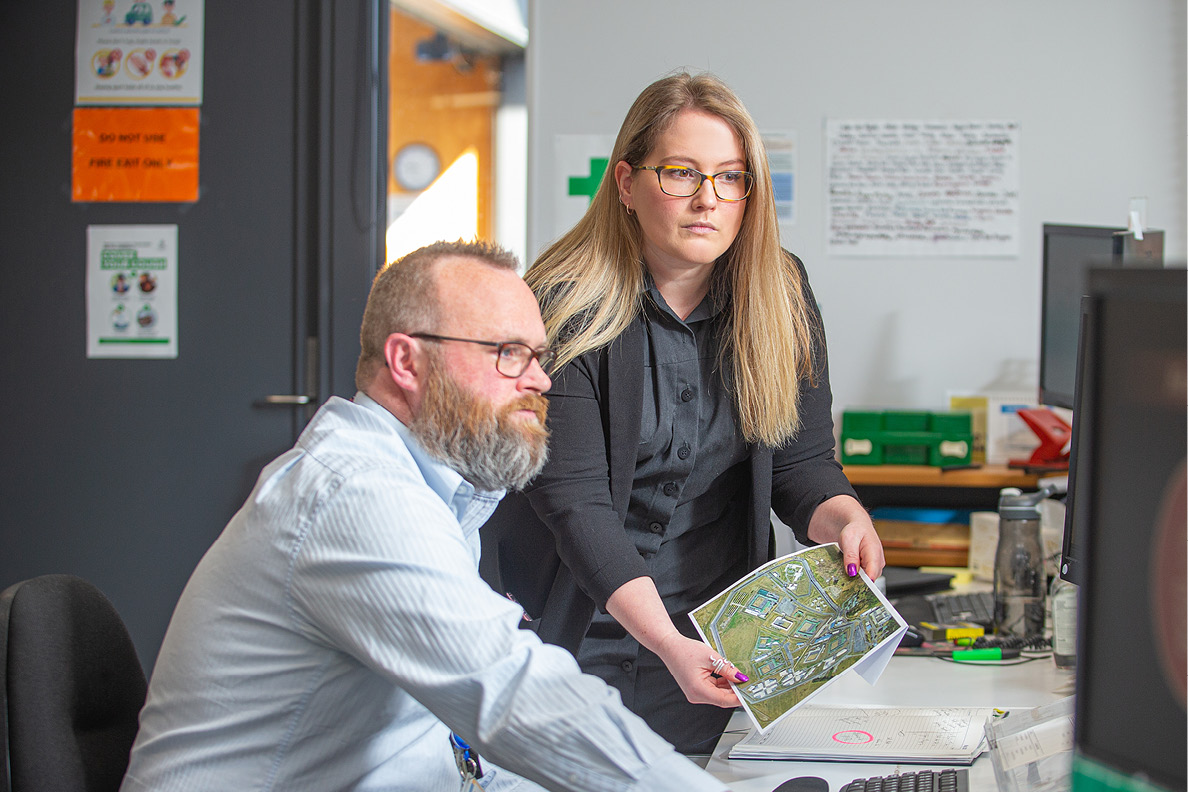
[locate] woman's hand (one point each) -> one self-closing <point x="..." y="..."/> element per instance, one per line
<point x="842" y="519"/>
<point x="702" y="673"/>
<point x="637" y="606"/>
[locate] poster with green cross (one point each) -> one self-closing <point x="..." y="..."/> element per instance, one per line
<point x="580" y="162"/>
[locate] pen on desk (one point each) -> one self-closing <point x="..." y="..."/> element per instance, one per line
<point x="978" y="655"/>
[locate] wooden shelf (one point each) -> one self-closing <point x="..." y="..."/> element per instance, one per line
<point x="933" y="487"/>
<point x="923" y="544"/>
<point x="987" y="476"/>
<point x="913" y="557"/>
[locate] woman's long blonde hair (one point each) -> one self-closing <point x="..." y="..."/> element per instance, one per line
<point x="590" y="282"/>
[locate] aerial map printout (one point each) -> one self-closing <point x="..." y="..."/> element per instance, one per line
<point x="796" y="623"/>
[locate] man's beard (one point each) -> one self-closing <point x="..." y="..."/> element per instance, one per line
<point x="483" y="443"/>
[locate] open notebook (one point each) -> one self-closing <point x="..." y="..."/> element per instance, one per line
<point x="928" y="735"/>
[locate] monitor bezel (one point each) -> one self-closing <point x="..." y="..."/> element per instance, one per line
<point x="1073" y="550"/>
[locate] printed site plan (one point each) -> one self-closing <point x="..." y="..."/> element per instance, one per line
<point x="795" y="624"/>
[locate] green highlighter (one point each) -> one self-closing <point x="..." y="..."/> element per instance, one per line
<point x="978" y="655"/>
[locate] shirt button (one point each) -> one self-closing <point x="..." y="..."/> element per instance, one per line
<point x="626" y="665"/>
<point x="683" y="452"/>
<point x="686" y="395"/>
<point x="670" y="489"/>
<point x="656" y="528"/>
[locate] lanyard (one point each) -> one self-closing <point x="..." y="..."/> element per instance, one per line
<point x="469" y="766"/>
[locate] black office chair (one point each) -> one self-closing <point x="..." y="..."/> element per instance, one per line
<point x="72" y="688"/>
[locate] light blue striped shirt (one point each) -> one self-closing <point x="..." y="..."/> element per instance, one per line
<point x="338" y="629"/>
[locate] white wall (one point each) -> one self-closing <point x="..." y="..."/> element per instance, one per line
<point x="1098" y="86"/>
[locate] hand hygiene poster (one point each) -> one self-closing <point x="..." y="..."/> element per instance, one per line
<point x="132" y="291"/>
<point x="139" y="53"/>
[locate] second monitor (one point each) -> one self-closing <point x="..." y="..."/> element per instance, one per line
<point x="1069" y="252"/>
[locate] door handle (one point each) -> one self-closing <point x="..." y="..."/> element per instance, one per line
<point x="311" y="383"/>
<point x="296" y="399"/>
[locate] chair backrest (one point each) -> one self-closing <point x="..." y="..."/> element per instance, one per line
<point x="72" y="688"/>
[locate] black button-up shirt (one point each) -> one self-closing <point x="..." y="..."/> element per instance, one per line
<point x="687" y="514"/>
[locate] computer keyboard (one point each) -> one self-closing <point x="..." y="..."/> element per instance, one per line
<point x="950" y="779"/>
<point x="973" y="606"/>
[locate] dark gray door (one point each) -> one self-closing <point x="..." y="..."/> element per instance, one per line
<point x="124" y="471"/>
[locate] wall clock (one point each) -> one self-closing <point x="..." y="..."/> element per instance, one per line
<point x="416" y="166"/>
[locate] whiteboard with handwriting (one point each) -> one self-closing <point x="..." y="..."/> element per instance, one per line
<point x="919" y="188"/>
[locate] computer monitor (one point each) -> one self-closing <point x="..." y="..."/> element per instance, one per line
<point x="1132" y="657"/>
<point x="1069" y="251"/>
<point x="1074" y="549"/>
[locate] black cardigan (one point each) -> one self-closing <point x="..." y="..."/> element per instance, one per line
<point x="560" y="572"/>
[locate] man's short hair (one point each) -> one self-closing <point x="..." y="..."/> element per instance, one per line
<point x="403" y="297"/>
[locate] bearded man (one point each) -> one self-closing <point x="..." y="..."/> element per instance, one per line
<point x="337" y="635"/>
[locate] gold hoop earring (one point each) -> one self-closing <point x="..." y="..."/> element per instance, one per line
<point x="625" y="204"/>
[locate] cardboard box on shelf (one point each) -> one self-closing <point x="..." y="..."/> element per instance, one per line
<point x="975" y="404"/>
<point x="999" y="433"/>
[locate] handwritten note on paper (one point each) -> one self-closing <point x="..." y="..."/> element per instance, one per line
<point x="931" y="188"/>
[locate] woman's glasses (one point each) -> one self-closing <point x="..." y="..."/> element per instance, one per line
<point x="683" y="182"/>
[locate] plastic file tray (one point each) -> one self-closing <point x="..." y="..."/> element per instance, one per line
<point x="904" y="437"/>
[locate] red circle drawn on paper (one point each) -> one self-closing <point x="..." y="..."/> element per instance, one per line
<point x="853" y="737"/>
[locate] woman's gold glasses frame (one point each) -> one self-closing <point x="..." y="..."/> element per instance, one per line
<point x="677" y="170"/>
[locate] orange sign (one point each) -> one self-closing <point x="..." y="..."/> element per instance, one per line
<point x="138" y="154"/>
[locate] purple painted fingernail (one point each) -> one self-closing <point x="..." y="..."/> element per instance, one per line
<point x="852" y="570"/>
<point x="741" y="677"/>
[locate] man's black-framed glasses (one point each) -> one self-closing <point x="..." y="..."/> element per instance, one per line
<point x="683" y="182"/>
<point x="512" y="358"/>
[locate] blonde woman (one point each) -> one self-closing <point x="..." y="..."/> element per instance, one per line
<point x="691" y="397"/>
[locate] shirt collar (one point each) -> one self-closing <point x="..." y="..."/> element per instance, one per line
<point x="470" y="507"/>
<point x="708" y="308"/>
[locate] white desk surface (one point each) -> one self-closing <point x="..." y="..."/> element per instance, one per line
<point x="907" y="682"/>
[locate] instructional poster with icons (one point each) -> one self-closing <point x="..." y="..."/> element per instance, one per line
<point x="132" y="291"/>
<point x="139" y="53"/>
